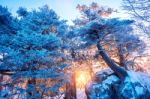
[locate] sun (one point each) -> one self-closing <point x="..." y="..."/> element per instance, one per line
<point x="82" y="78"/>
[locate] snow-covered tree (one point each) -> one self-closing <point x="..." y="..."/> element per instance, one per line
<point x="140" y="11"/>
<point x="120" y="49"/>
<point x="91" y="12"/>
<point x="22" y="12"/>
<point x="138" y="8"/>
<point x="8" y="30"/>
<point x="35" y="53"/>
<point x="96" y="31"/>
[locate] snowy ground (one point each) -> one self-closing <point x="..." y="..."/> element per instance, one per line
<point x="81" y="94"/>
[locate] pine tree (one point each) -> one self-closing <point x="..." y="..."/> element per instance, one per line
<point x="34" y="52"/>
<point x="122" y="50"/>
<point x="96" y="32"/>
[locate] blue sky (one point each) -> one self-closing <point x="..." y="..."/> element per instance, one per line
<point x="66" y="9"/>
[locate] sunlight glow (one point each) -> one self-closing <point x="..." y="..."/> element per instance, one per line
<point x="82" y="77"/>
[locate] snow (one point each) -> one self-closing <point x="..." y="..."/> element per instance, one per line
<point x="55" y="97"/>
<point x="81" y="93"/>
<point x="106" y="71"/>
<point x="111" y="79"/>
<point x="139" y="90"/>
<point x="134" y="86"/>
<point x="101" y="89"/>
<point x="142" y="78"/>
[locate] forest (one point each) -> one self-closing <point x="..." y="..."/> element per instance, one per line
<point x="98" y="57"/>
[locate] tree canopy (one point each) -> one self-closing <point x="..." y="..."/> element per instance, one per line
<point x="37" y="47"/>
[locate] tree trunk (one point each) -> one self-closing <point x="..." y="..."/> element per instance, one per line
<point x="121" y="58"/>
<point x="121" y="73"/>
<point x="31" y="92"/>
<point x="122" y="61"/>
<point x="1" y="80"/>
<point x="71" y="85"/>
<point x="71" y="88"/>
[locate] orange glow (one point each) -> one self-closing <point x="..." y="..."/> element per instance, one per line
<point x="82" y="77"/>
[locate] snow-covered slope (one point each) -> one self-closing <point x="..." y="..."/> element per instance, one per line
<point x="107" y="85"/>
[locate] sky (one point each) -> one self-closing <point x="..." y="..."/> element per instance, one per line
<point x="66" y="9"/>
